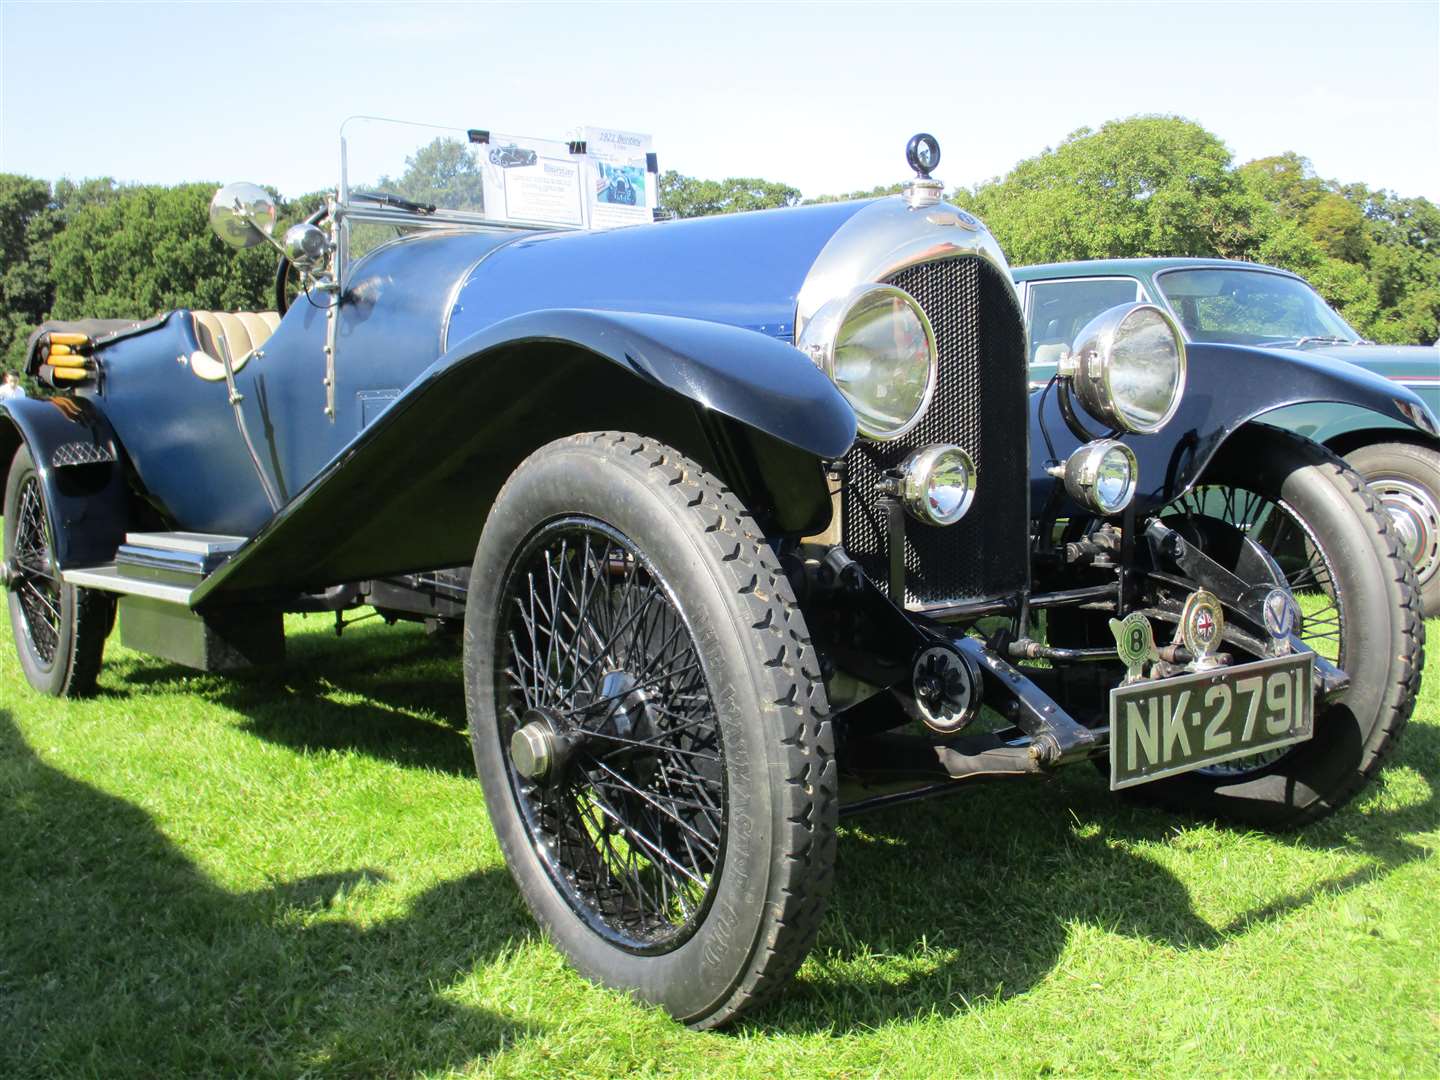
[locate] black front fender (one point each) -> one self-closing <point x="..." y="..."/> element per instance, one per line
<point x="762" y="382"/>
<point x="411" y="492"/>
<point x="1228" y="386"/>
<point x="79" y="463"/>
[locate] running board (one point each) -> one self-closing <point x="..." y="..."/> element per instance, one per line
<point x="154" y="576"/>
<point x="108" y="578"/>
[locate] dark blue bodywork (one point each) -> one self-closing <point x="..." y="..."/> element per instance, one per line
<point x="476" y="333"/>
<point x="1239" y="385"/>
<point x="458" y="352"/>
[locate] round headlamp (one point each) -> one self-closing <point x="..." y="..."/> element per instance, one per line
<point x="937" y="484"/>
<point x="877" y="346"/>
<point x="1128" y="367"/>
<point x="1102" y="475"/>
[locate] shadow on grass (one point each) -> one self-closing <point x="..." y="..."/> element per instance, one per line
<point x="957" y="901"/>
<point x="974" y="898"/>
<point x="119" y="956"/>
<point x="407" y="702"/>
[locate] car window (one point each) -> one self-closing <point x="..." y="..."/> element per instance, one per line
<point x="1250" y="307"/>
<point x="1059" y="310"/>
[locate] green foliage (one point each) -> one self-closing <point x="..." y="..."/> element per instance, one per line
<point x="879" y="191"/>
<point x="1150" y="185"/>
<point x="1373" y="255"/>
<point x="686" y="196"/>
<point x="96" y="249"/>
<point x="28" y="221"/>
<point x="444" y="173"/>
<point x="1163" y="185"/>
<point x="149" y="250"/>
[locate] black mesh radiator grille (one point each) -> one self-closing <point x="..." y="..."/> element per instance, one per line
<point x="979" y="405"/>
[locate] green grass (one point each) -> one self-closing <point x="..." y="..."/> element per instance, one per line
<point x="292" y="873"/>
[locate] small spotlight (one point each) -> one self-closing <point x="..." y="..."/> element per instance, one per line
<point x="1102" y="475"/>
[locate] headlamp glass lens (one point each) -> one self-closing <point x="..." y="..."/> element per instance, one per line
<point x="882" y="363"/>
<point x="1145" y="369"/>
<point x="948" y="487"/>
<point x="1114" y="479"/>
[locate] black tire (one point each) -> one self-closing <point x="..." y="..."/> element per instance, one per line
<point x="1351" y="563"/>
<point x="1406" y="479"/>
<point x="59" y="630"/>
<point x="757" y="742"/>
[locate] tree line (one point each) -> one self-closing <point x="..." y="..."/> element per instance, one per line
<point x="1148" y="185"/>
<point x="1163" y="185"/>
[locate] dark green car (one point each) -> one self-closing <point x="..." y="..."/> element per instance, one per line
<point x="1239" y="303"/>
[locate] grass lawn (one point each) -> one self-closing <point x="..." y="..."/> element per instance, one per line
<point x="292" y="873"/>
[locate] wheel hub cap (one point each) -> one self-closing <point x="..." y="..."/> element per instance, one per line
<point x="623" y="704"/>
<point x="536" y="751"/>
<point x="1416" y="517"/>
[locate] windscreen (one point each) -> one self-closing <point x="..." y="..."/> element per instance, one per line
<point x="1250" y="307"/>
<point x="429" y="166"/>
<point x="596" y="178"/>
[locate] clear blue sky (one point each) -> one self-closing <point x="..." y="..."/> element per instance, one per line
<point x="822" y="96"/>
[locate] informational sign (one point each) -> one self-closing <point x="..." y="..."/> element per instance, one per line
<point x="602" y="180"/>
<point x="623" y="190"/>
<point x="533" y="180"/>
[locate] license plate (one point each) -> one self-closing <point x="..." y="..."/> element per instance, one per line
<point x="1190" y="721"/>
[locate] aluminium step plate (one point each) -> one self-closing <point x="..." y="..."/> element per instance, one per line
<point x="207" y="544"/>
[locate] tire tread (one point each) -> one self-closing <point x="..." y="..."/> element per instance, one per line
<point x="802" y="869"/>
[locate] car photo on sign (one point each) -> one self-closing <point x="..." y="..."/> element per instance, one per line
<point x="622" y="185"/>
<point x="512" y="156"/>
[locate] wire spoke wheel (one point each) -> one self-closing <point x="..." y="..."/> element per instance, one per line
<point x="601" y="670"/>
<point x="1305" y="567"/>
<point x="34" y="586"/>
<point x="1278" y="510"/>
<point x="59" y="630"/>
<point x="650" y="725"/>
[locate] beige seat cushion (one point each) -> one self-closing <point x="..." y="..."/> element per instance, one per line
<point x="242" y="332"/>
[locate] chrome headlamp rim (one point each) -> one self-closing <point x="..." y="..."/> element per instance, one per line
<point x="1090" y="367"/>
<point x="1082" y="473"/>
<point x="915" y="474"/>
<point x="822" y="334"/>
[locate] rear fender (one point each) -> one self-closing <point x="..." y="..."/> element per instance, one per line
<point x="81" y="472"/>
<point x="411" y="492"/>
<point x="1229" y="387"/>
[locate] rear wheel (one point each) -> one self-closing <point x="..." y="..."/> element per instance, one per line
<point x="59" y="629"/>
<point x="650" y="726"/>
<point x="1331" y="542"/>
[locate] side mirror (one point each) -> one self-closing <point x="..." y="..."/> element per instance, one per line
<point x="243" y="215"/>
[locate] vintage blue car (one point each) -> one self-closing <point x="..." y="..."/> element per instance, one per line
<point x="749" y="522"/>
<point x="1222" y="301"/>
<point x="512" y="156"/>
